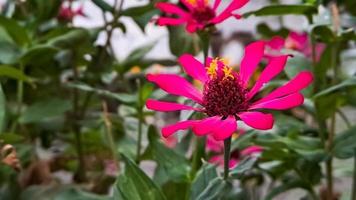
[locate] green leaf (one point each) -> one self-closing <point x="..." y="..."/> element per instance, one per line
<point x="134" y="184"/>
<point x="291" y="184"/>
<point x="45" y="110"/>
<point x="11" y="72"/>
<point x="284" y="10"/>
<point x="267" y="32"/>
<point x="9" y="53"/>
<point x="174" y="164"/>
<point x="320" y="71"/>
<point x="145" y="93"/>
<point x="181" y="42"/>
<point x="331" y="99"/>
<point x="142" y="15"/>
<point x="297" y="64"/>
<point x="176" y="191"/>
<point x="124" y="98"/>
<point x="308" y="147"/>
<point x="39" y="56"/>
<point x="216" y="189"/>
<point x="45" y="10"/>
<point x="2" y="109"/>
<point x="103" y="5"/>
<point x="324" y="34"/>
<point x="70" y="40"/>
<point x="18" y="33"/>
<point x="12" y="138"/>
<point x="337" y="88"/>
<point x="206" y="174"/>
<point x="135" y="58"/>
<point x="344" y="144"/>
<point x="243" y="167"/>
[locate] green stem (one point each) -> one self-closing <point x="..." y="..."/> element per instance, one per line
<point x="205" y="42"/>
<point x="329" y="162"/>
<point x="139" y="139"/>
<point x="108" y="128"/>
<point x="227" y="147"/>
<point x="140" y="122"/>
<point x="81" y="171"/>
<point x="19" y="99"/>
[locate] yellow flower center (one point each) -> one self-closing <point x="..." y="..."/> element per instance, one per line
<point x="195" y="2"/>
<point x="227" y="72"/>
<point x="211" y="70"/>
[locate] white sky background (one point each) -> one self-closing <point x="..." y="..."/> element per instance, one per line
<point x="123" y="44"/>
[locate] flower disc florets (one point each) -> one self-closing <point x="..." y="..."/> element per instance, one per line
<point x="223" y="94"/>
<point x="203" y="15"/>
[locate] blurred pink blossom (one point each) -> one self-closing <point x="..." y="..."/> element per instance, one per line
<point x="67" y="13"/>
<point x="197" y="14"/>
<point x="217" y="148"/>
<point x="295" y="41"/>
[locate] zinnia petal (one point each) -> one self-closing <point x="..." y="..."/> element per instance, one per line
<point x="162" y="21"/>
<point x="219" y="160"/>
<point x="167" y="106"/>
<point x="191" y="26"/>
<point x="282" y="103"/>
<point x="176" y="85"/>
<point x="206" y="126"/>
<point x="216" y="4"/>
<point x="220" y="129"/>
<point x="193" y="67"/>
<point x="187" y="4"/>
<point x="257" y="120"/>
<point x="297" y="40"/>
<point x="274" y="67"/>
<point x="234" y="5"/>
<point x="251" y="150"/>
<point x="299" y="82"/>
<point x="253" y="55"/>
<point x="276" y="43"/>
<point x="171" y="129"/>
<point x="171" y="9"/>
<point x="213" y="145"/>
<point x="225" y="129"/>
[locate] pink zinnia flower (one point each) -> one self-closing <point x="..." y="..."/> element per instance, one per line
<point x="297" y="42"/>
<point x="225" y="96"/>
<point x="198" y="14"/>
<point x="217" y="147"/>
<point x="66" y="13"/>
<point x="170" y="142"/>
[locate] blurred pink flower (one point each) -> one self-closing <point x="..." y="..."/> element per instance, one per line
<point x="297" y="42"/>
<point x="197" y="14"/>
<point x="217" y="147"/>
<point x="225" y="96"/>
<point x="66" y="13"/>
<point x="170" y="142"/>
<point x="111" y="168"/>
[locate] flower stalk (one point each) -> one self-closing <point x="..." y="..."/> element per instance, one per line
<point x="81" y="170"/>
<point x="227" y="147"/>
<point x="140" y="122"/>
<point x="110" y="137"/>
